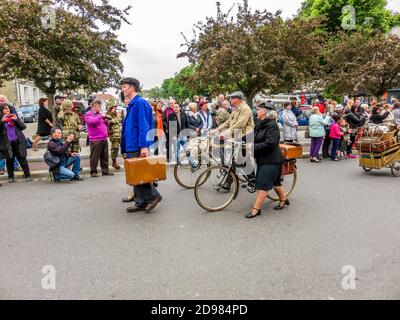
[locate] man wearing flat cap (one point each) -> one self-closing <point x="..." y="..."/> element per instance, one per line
<point x="135" y="142"/>
<point x="241" y="122"/>
<point x="241" y="118"/>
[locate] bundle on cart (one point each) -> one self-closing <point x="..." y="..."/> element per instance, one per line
<point x="377" y="138"/>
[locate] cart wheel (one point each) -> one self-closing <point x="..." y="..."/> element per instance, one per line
<point x="366" y="169"/>
<point x="395" y="167"/>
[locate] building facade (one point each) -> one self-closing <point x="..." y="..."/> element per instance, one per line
<point x="21" y="92"/>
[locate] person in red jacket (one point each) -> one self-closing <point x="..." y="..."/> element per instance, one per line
<point x="336" y="135"/>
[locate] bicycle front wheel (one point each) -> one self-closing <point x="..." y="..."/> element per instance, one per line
<point x="288" y="183"/>
<point x="216" y="188"/>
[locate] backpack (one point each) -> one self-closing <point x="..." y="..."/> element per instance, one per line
<point x="52" y="161"/>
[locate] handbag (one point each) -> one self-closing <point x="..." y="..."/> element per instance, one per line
<point x="51" y="160"/>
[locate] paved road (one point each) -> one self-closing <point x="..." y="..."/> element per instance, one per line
<point x="339" y="216"/>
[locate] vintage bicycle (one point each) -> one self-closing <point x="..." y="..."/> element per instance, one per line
<point x="201" y="150"/>
<point x="218" y="186"/>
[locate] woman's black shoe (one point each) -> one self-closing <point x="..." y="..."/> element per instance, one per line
<point x="250" y="215"/>
<point x="286" y="203"/>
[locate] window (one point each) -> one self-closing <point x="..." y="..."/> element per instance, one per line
<point x="26" y="95"/>
<point x="35" y="95"/>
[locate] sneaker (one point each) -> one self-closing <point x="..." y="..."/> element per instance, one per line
<point x="77" y="178"/>
<point x="11" y="180"/>
<point x="28" y="179"/>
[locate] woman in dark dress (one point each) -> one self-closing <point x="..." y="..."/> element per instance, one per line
<point x="12" y="142"/>
<point x="45" y="122"/>
<point x="269" y="159"/>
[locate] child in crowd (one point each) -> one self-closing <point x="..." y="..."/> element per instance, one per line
<point x="336" y="134"/>
<point x="345" y="140"/>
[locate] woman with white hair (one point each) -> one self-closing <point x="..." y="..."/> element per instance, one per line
<point x="195" y="121"/>
<point x="317" y="132"/>
<point x="269" y="159"/>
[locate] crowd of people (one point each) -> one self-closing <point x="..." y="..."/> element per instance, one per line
<point x="336" y="127"/>
<point x="332" y="127"/>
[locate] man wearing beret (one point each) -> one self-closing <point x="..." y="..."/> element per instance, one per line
<point x="135" y="141"/>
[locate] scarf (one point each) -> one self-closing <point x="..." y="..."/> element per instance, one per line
<point x="9" y="120"/>
<point x="160" y="127"/>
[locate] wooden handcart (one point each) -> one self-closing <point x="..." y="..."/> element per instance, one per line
<point x="380" y="152"/>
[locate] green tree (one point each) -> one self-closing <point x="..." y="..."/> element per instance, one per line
<point x="155" y="93"/>
<point x="79" y="48"/>
<point x="176" y="87"/>
<point x="369" y="14"/>
<point x="256" y="52"/>
<point x="362" y="63"/>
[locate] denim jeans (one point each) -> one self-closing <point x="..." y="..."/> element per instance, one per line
<point x="335" y="148"/>
<point x="182" y="141"/>
<point x="67" y="174"/>
<point x="3" y="164"/>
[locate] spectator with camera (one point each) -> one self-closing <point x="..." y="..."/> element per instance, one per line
<point x="12" y="142"/>
<point x="59" y="148"/>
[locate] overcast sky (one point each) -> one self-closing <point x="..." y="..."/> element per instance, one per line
<point x="154" y="37"/>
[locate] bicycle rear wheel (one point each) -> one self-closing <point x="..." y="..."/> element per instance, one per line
<point x="211" y="190"/>
<point x="288" y="183"/>
<point x="186" y="175"/>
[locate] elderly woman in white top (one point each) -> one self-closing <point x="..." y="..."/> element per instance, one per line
<point x="290" y="124"/>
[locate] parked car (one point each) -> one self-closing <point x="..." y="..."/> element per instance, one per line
<point x="19" y="113"/>
<point x="304" y="117"/>
<point x="79" y="109"/>
<point x="30" y="112"/>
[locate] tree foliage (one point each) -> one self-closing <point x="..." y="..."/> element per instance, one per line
<point x="176" y="87"/>
<point x="370" y="14"/>
<point x="254" y="52"/>
<point x="80" y="50"/>
<point x="362" y="63"/>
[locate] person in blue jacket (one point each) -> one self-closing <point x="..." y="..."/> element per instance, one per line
<point x="136" y="140"/>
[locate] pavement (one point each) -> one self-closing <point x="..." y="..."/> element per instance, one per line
<point x="339" y="216"/>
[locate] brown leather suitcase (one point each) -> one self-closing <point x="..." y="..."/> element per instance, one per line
<point x="289" y="167"/>
<point x="140" y="171"/>
<point x="291" y="152"/>
<point x="375" y="146"/>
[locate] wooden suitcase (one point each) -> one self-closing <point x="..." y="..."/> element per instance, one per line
<point x="291" y="152"/>
<point x="289" y="167"/>
<point x="140" y="171"/>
